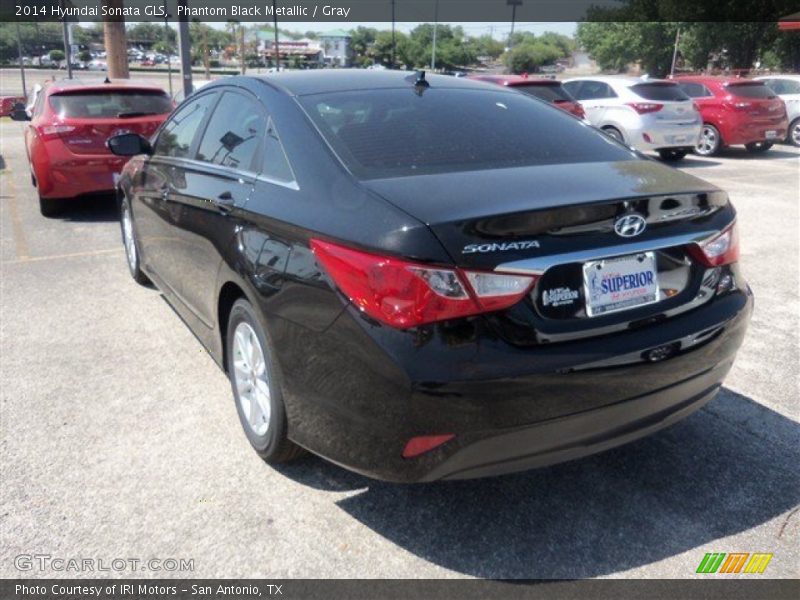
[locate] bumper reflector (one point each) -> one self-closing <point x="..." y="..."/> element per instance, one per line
<point x="425" y="443"/>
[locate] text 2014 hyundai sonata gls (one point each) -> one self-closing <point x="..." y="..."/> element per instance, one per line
<point x="431" y="278"/>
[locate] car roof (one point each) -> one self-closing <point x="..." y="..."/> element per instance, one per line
<point x="514" y="80"/>
<point x="626" y="80"/>
<point x="792" y="76"/>
<point x="718" y="79"/>
<point x="315" y="81"/>
<point x="76" y="85"/>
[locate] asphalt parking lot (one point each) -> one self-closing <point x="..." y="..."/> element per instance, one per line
<point x="119" y="437"/>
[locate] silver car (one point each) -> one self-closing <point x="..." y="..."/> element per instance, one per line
<point x="787" y="88"/>
<point x="651" y="115"/>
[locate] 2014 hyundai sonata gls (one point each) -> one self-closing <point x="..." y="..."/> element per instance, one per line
<point x="424" y="278"/>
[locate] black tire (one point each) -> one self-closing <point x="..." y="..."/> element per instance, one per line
<point x="273" y="445"/>
<point x="614" y="133"/>
<point x="131" y="246"/>
<point x="672" y="154"/>
<point x="793" y="137"/>
<point x="710" y="141"/>
<point x="49" y="207"/>
<point x="758" y="147"/>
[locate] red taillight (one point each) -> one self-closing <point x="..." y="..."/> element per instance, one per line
<point x="49" y="132"/>
<point x="719" y="250"/>
<point x="577" y="110"/>
<point x="405" y="294"/>
<point x="425" y="443"/>
<point x="645" y="107"/>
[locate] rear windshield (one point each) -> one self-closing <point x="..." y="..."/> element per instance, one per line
<point x="112" y="104"/>
<point x="395" y="132"/>
<point x="659" y="91"/>
<point x="751" y="90"/>
<point x="548" y="93"/>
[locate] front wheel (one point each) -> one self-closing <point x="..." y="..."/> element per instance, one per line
<point x="710" y="141"/>
<point x="672" y="154"/>
<point x="254" y="377"/>
<point x="758" y="147"/>
<point x="130" y="243"/>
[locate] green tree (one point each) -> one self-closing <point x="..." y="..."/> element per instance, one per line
<point x="528" y="57"/>
<point x="616" y="45"/>
<point x="486" y="45"/>
<point x="84" y="56"/>
<point x="57" y="55"/>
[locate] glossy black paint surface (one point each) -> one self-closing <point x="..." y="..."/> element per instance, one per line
<point x="357" y="390"/>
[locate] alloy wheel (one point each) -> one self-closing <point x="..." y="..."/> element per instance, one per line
<point x="794" y="134"/>
<point x="708" y="141"/>
<point x="251" y="378"/>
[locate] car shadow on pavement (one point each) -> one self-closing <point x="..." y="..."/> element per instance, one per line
<point x="730" y="467"/>
<point x="694" y="161"/>
<point x="99" y="208"/>
<point x="739" y="152"/>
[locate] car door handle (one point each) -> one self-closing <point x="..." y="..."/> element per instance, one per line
<point x="224" y="202"/>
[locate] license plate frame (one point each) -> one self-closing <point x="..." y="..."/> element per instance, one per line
<point x="628" y="285"/>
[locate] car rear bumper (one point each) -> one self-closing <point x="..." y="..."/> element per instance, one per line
<point x="756" y="131"/>
<point x="663" y="136"/>
<point x="365" y="390"/>
<point x="75" y="175"/>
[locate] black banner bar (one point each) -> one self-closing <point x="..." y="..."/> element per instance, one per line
<point x="739" y="588"/>
<point x="351" y="11"/>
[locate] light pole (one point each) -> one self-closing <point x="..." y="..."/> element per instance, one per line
<point x="67" y="49"/>
<point x="393" y="38"/>
<point x="21" y="64"/>
<point x="513" y="4"/>
<point x="277" y="46"/>
<point x="184" y="45"/>
<point x="675" y="52"/>
<point x="435" y="27"/>
<point x="168" y="46"/>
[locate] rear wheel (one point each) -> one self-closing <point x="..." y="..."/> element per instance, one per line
<point x="130" y="243"/>
<point x="794" y="133"/>
<point x="710" y="141"/>
<point x="256" y="386"/>
<point x="614" y="133"/>
<point x="49" y="207"/>
<point x="672" y="154"/>
<point x="758" y="147"/>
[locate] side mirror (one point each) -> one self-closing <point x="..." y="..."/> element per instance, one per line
<point x="18" y="113"/>
<point x="129" y="144"/>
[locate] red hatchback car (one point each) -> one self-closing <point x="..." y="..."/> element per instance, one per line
<point x="736" y="111"/>
<point x="548" y="90"/>
<point x="67" y="131"/>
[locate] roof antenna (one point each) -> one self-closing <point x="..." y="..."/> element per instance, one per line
<point x="421" y="84"/>
<point x="107" y="80"/>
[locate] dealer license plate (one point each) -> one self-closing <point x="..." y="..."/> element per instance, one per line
<point x="620" y="283"/>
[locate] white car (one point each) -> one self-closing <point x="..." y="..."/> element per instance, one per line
<point x="787" y="87"/>
<point x="651" y="115"/>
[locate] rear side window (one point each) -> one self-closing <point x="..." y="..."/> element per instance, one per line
<point x="659" y="91"/>
<point x="395" y="132"/>
<point x="695" y="90"/>
<point x="276" y="162"/>
<point x="117" y="104"/>
<point x="751" y="90"/>
<point x="548" y="93"/>
<point x="784" y="86"/>
<point x="179" y="132"/>
<point x="234" y="133"/>
<point x="590" y="90"/>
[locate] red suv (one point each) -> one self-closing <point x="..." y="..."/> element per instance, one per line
<point x="736" y="111"/>
<point x="69" y="125"/>
<point x="548" y="90"/>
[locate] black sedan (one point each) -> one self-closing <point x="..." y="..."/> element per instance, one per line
<point x="424" y="278"/>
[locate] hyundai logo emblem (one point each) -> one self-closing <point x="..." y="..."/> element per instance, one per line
<point x="630" y="225"/>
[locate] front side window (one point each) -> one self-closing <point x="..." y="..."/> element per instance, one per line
<point x="179" y="132"/>
<point x="695" y="90"/>
<point x="784" y="86"/>
<point x="396" y="132"/>
<point x="234" y="133"/>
